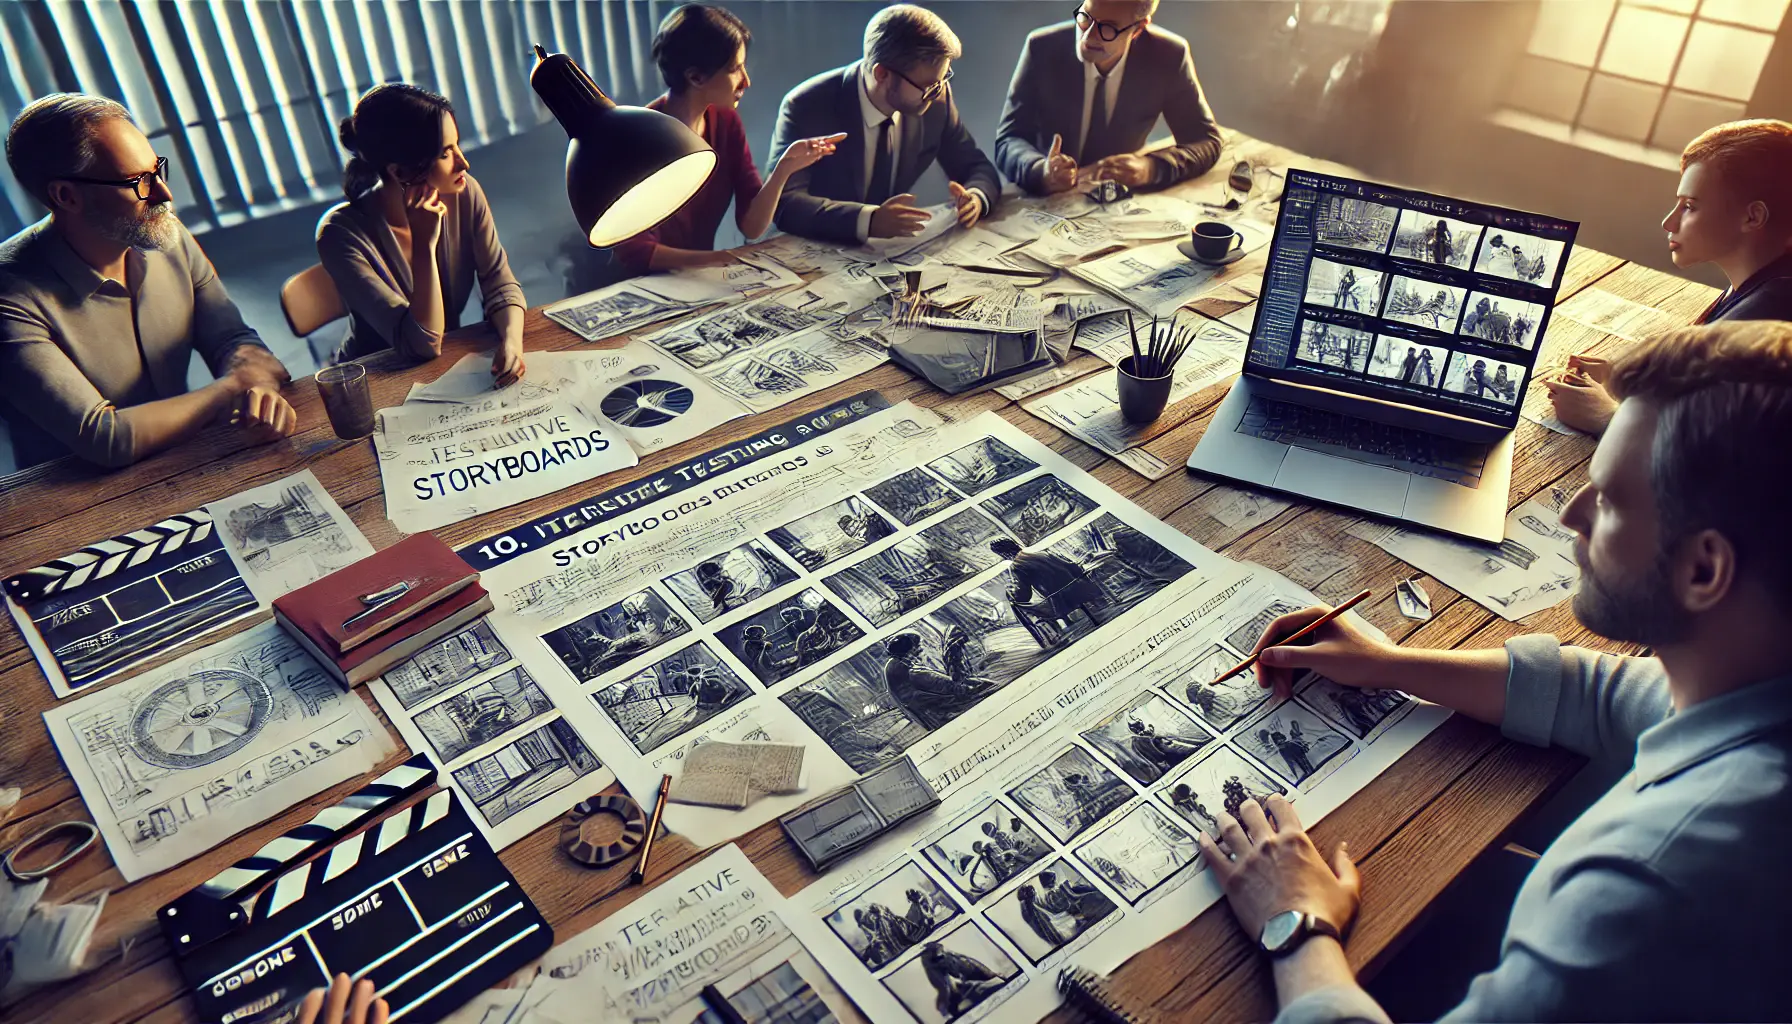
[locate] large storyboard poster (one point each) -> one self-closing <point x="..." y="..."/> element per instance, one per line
<point x="961" y="594"/>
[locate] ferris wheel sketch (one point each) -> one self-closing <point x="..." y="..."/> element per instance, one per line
<point x="200" y="718"/>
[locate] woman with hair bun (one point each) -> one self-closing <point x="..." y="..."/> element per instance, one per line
<point x="701" y="51"/>
<point x="415" y="233"/>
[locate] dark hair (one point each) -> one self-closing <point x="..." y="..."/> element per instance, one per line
<point x="697" y="37"/>
<point x="393" y="123"/>
<point x="1716" y="388"/>
<point x="53" y="137"/>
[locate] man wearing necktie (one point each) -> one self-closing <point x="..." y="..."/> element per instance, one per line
<point x="896" y="108"/>
<point x="1087" y="92"/>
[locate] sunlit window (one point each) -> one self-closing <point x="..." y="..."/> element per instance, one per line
<point x="1653" y="73"/>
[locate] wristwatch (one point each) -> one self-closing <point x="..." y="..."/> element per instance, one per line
<point x="1284" y="932"/>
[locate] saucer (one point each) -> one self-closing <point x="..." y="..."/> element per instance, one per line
<point x="1187" y="248"/>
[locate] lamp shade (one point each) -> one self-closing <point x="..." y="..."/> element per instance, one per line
<point x="627" y="168"/>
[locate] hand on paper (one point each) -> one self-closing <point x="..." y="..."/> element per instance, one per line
<point x="1060" y="170"/>
<point x="969" y="206"/>
<point x="1337" y="650"/>
<point x="424" y="210"/>
<point x="898" y="217"/>
<point x="1129" y="169"/>
<point x="343" y="1003"/>
<point x="264" y="414"/>
<point x="1266" y="864"/>
<point x="1581" y="402"/>
<point x="804" y="152"/>
<point x="507" y="362"/>
<point x="1598" y="368"/>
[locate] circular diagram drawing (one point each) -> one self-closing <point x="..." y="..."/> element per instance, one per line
<point x="647" y="403"/>
<point x="200" y="718"/>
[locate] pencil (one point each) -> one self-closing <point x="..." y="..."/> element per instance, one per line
<point x="1310" y="627"/>
<point x="653" y="828"/>
<point x="1138" y="360"/>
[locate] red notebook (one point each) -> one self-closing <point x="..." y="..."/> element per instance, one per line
<point x="404" y="580"/>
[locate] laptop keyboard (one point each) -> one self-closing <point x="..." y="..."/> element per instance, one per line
<point x="1415" y="451"/>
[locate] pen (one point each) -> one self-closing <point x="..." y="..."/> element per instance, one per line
<point x="1310" y="627"/>
<point x="722" y="1008"/>
<point x="653" y="829"/>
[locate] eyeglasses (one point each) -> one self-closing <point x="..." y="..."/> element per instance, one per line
<point x="1107" y="30"/>
<point x="929" y="93"/>
<point x="143" y="185"/>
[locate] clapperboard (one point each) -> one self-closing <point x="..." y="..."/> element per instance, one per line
<point x="115" y="603"/>
<point x="410" y="896"/>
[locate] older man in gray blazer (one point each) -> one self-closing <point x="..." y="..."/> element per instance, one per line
<point x="897" y="112"/>
<point x="1088" y="91"/>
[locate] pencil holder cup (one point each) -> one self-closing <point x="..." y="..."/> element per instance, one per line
<point x="1142" y="399"/>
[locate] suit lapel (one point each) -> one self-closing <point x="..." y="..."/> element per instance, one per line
<point x="857" y="146"/>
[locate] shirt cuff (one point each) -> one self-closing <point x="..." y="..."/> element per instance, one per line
<point x="982" y="197"/>
<point x="1332" y="1005"/>
<point x="1533" y="688"/>
<point x="864" y="228"/>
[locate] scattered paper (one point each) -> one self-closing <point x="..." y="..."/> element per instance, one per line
<point x="696" y="286"/>
<point x="441" y="463"/>
<point x="287" y="534"/>
<point x="806" y="255"/>
<point x="614" y="310"/>
<point x="1414" y="602"/>
<point x="176" y="760"/>
<point x="1603" y="311"/>
<point x="1532" y="569"/>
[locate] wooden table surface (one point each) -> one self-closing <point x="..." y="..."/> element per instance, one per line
<point x="1412" y="830"/>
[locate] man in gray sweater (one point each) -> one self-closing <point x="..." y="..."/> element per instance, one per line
<point x="103" y="302"/>
<point x="1666" y="899"/>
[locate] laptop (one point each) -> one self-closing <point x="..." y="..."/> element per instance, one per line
<point x="1396" y="334"/>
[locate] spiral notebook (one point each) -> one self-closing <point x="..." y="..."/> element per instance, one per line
<point x="1098" y="998"/>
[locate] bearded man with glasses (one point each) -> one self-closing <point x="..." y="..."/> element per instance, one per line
<point x="895" y="108"/>
<point x="1088" y="91"/>
<point x="103" y="302"/>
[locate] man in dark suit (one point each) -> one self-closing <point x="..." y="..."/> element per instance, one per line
<point x="1086" y="94"/>
<point x="897" y="111"/>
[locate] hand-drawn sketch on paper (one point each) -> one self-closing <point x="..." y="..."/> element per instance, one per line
<point x="672" y="697"/>
<point x="1050" y="911"/>
<point x="287" y="534"/>
<point x="183" y="757"/>
<point x="988" y="849"/>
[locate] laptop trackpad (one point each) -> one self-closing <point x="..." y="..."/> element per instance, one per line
<point x="1343" y="481"/>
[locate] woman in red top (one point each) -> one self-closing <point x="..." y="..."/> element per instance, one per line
<point x="701" y="51"/>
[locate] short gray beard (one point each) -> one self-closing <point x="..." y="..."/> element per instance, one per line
<point x="154" y="227"/>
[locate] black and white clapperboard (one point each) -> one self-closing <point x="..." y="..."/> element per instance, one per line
<point x="96" y="612"/>
<point x="412" y="897"/>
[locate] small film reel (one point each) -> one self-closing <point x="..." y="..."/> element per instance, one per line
<point x="592" y="855"/>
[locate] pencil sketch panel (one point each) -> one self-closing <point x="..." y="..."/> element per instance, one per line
<point x="1343" y="286"/>
<point x="912" y="496"/>
<point x="1071" y="793"/>
<point x="1039" y="508"/>
<point x="1434" y="239"/>
<point x="482" y="713"/>
<point x="447" y="663"/>
<point x="1223" y="704"/>
<point x="907" y="575"/>
<point x="1295" y="743"/>
<point x="952" y="976"/>
<point x="755" y="381"/>
<point x="1147" y="737"/>
<point x="1407" y="361"/>
<point x="597" y="643"/>
<point x="995" y="845"/>
<point x="833" y="532"/>
<point x="1502" y="320"/>
<point x="1245" y="635"/>
<point x="1353" y="223"/>
<point x="1334" y="345"/>
<point x="1221" y="780"/>
<point x="730" y="580"/>
<point x="1139" y="852"/>
<point x="1363" y="711"/>
<point x="1006" y="632"/>
<point x="1479" y="376"/>
<point x="789" y="636"/>
<point x="671" y="697"/>
<point x="893" y="915"/>
<point x="1050" y="910"/>
<point x="1424" y="304"/>
<point x="980" y="465"/>
<point x="1520" y="257"/>
<point x="526" y="771"/>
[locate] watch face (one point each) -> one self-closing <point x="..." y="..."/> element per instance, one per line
<point x="1280" y="930"/>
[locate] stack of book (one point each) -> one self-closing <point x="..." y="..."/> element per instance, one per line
<point x="363" y="619"/>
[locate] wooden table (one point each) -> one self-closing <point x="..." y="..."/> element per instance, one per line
<point x="1412" y="830"/>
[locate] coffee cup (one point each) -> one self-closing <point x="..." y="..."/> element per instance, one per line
<point x="1214" y="240"/>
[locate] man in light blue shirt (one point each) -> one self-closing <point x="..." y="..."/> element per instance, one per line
<point x="1668" y="899"/>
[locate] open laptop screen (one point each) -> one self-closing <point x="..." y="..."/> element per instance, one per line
<point x="1407" y="297"/>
